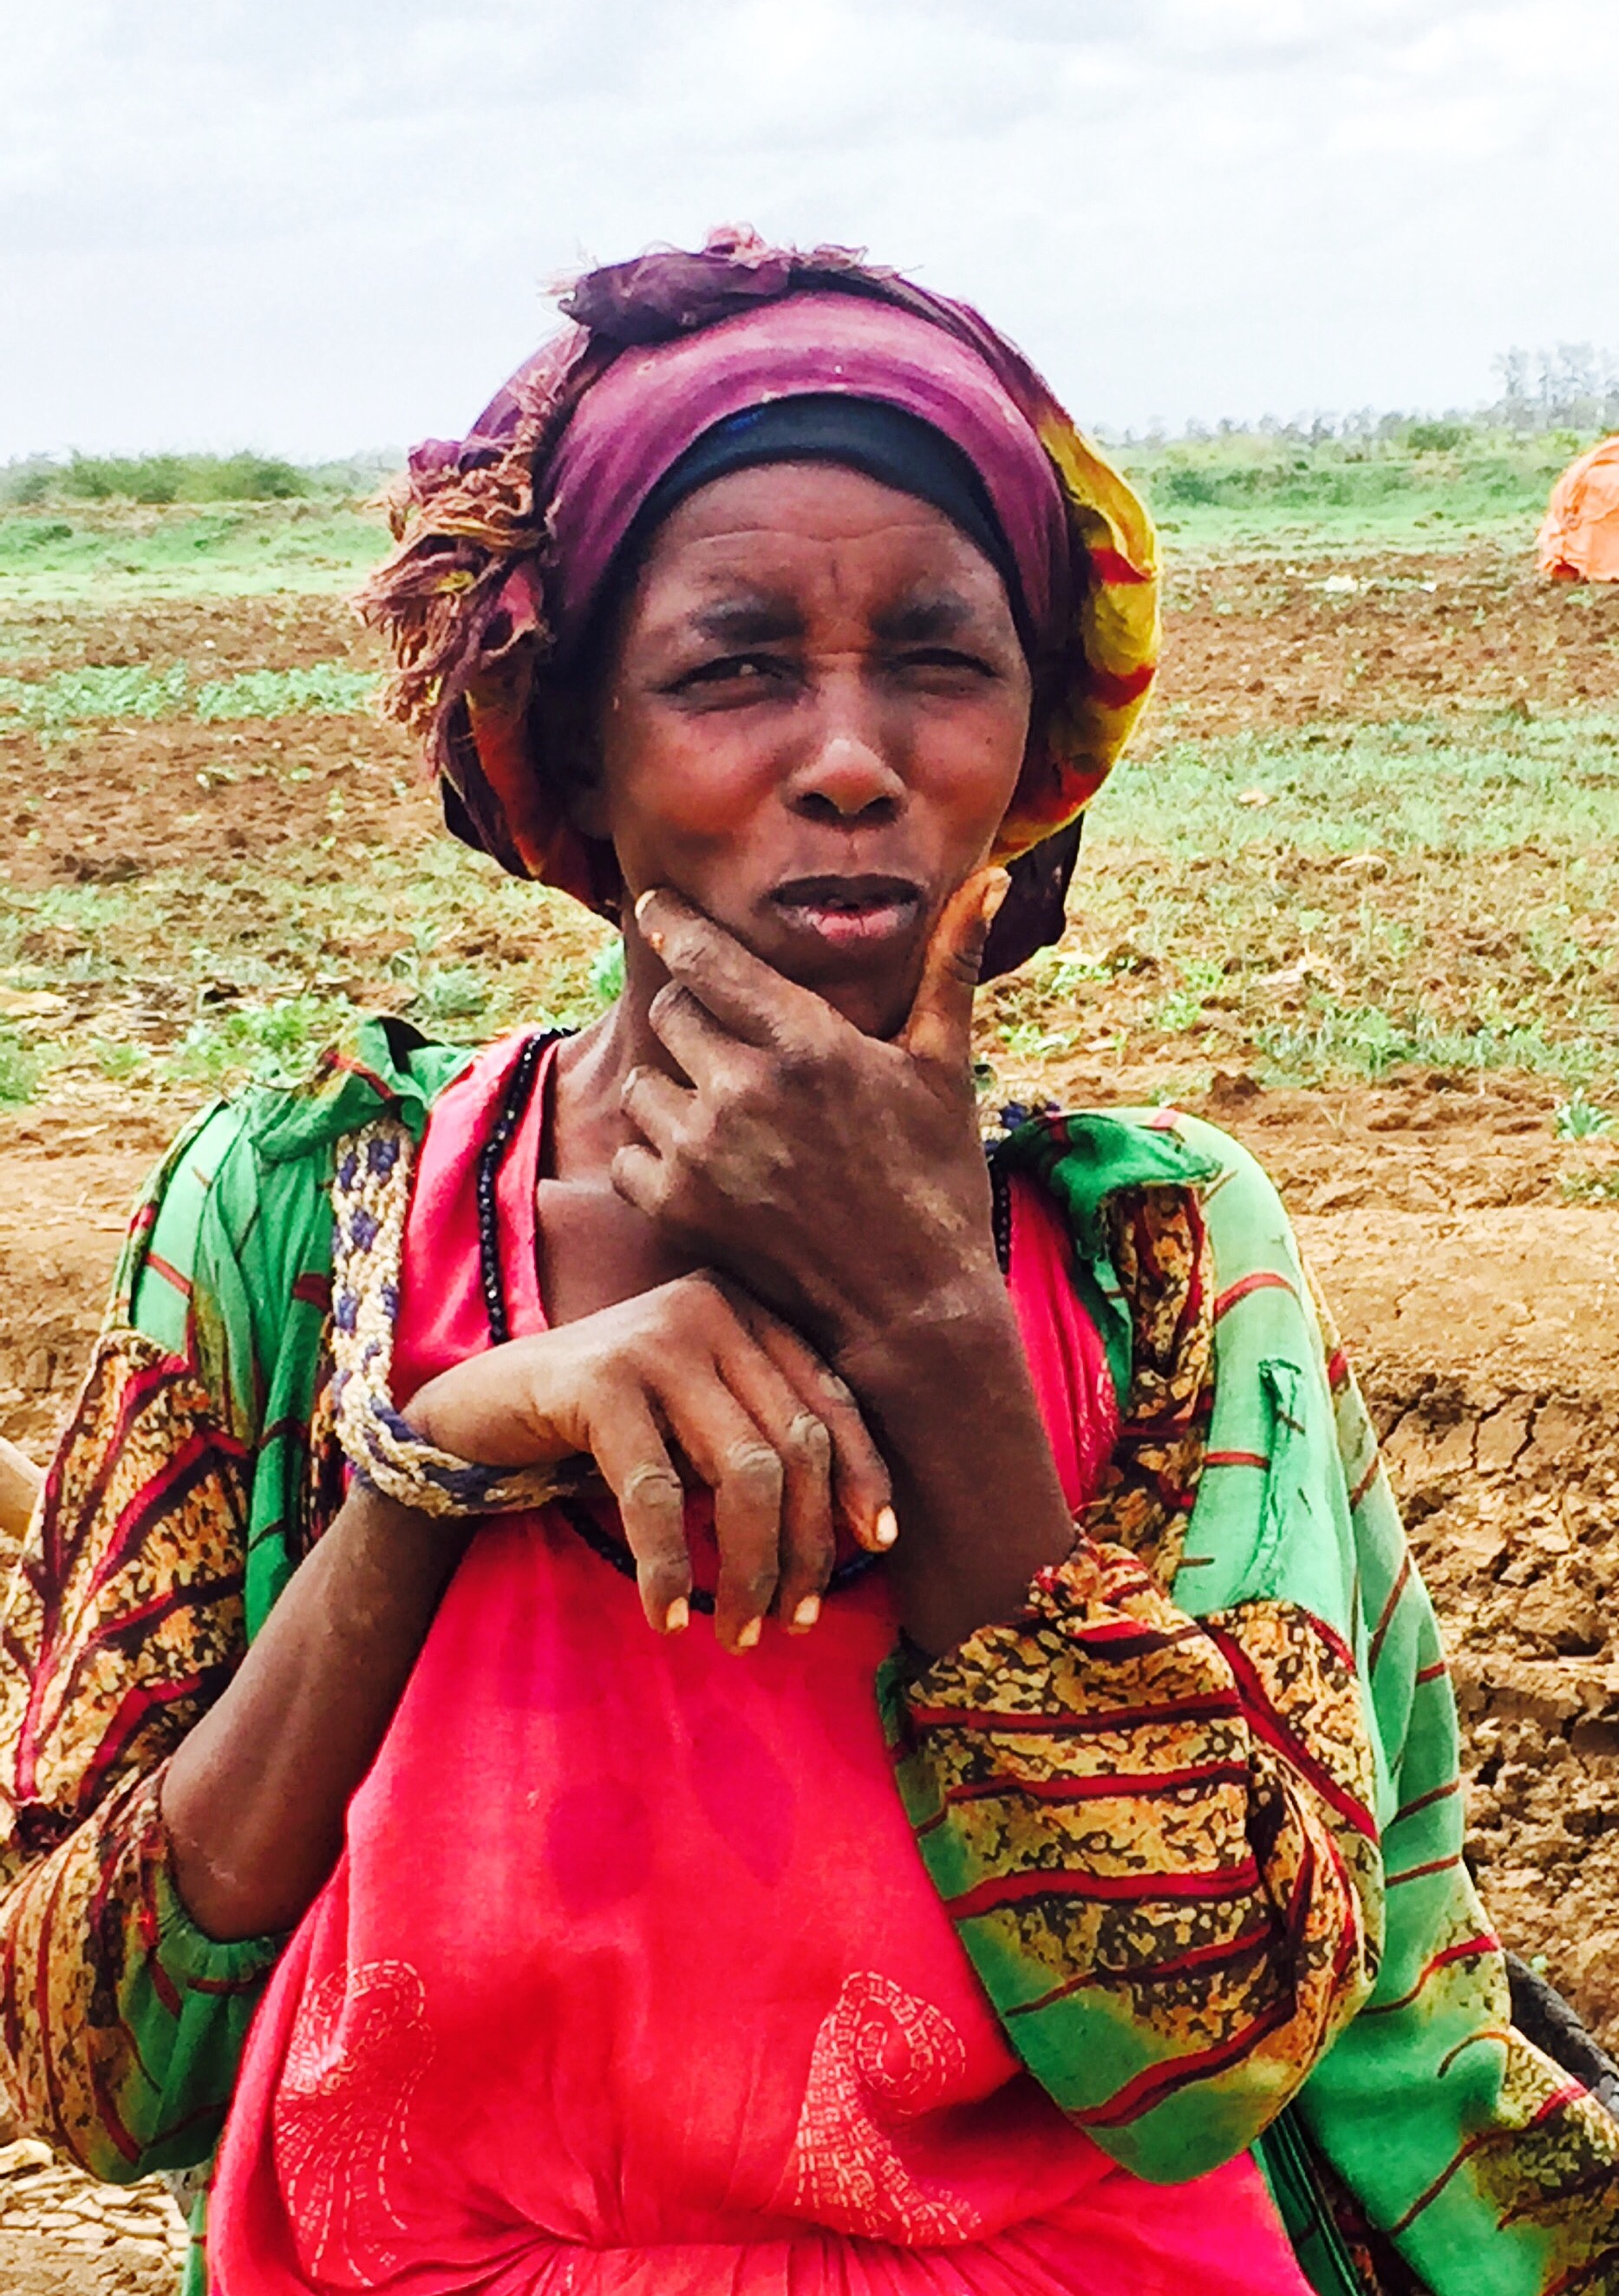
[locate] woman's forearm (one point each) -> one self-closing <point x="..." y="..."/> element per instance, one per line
<point x="981" y="1510"/>
<point x="254" y="1799"/>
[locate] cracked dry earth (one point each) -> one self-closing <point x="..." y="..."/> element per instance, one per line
<point x="1483" y="1315"/>
<point x="62" y="2236"/>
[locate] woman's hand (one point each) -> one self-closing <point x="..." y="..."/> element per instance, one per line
<point x="842" y="1178"/>
<point x="751" y="1406"/>
<point x="838" y="1176"/>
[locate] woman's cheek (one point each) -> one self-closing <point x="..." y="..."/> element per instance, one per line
<point x="970" y="770"/>
<point x="690" y="804"/>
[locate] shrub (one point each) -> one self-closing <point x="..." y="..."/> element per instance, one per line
<point x="1435" y="437"/>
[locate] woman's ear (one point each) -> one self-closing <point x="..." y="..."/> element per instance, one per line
<point x="588" y="809"/>
<point x="577" y="753"/>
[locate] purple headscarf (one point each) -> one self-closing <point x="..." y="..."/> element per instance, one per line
<point x="509" y="535"/>
<point x="654" y="403"/>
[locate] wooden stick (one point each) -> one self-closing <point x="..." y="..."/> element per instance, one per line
<point x="19" y="1484"/>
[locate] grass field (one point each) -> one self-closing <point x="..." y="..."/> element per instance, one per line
<point x="241" y="527"/>
<point x="1371" y="823"/>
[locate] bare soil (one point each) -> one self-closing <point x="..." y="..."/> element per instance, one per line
<point x="62" y="2236"/>
<point x="1258" y="646"/>
<point x="1481" y="1307"/>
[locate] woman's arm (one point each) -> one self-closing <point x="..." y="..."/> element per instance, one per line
<point x="254" y="1798"/>
<point x="952" y="1402"/>
<point x="120" y="2020"/>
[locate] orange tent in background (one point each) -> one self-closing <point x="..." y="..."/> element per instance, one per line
<point x="1579" y="541"/>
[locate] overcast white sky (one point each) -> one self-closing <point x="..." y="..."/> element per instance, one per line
<point x="318" y="226"/>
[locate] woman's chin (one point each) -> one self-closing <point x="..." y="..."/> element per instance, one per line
<point x="877" y="1003"/>
<point x="869" y="978"/>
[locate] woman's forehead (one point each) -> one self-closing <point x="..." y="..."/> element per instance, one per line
<point x="759" y="533"/>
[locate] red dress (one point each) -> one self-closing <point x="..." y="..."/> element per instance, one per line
<point x="630" y="1981"/>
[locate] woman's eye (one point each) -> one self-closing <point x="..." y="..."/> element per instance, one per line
<point x="946" y="658"/>
<point x="733" y="670"/>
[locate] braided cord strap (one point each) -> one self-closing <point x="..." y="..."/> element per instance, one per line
<point x="370" y="1197"/>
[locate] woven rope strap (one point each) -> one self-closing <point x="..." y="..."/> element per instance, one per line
<point x="370" y="1198"/>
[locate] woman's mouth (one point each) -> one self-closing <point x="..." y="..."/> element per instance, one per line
<point x="849" y="912"/>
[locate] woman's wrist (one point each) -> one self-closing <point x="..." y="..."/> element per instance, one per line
<point x="953" y="1326"/>
<point x="981" y="1508"/>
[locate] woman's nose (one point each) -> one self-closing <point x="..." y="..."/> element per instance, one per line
<point x="846" y="775"/>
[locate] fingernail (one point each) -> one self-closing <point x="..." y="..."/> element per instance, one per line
<point x="677" y="1618"/>
<point x="642" y="900"/>
<point x="994" y="892"/>
<point x="750" y="1634"/>
<point x="888" y="1526"/>
<point x="808" y="1612"/>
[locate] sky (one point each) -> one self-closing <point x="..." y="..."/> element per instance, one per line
<point x="318" y="226"/>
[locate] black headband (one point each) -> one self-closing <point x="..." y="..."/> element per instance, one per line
<point x="883" y="442"/>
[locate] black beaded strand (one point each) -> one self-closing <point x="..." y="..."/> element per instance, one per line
<point x="491" y="1156"/>
<point x="1000" y="1211"/>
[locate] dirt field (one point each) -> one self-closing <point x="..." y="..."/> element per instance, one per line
<point x="1464" y="1226"/>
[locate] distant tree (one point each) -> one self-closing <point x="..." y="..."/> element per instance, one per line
<point x="1517" y="409"/>
<point x="1574" y="388"/>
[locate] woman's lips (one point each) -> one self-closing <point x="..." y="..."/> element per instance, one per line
<point x="849" y="912"/>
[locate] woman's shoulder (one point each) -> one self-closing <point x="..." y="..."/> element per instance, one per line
<point x="1087" y="1156"/>
<point x="246" y="1183"/>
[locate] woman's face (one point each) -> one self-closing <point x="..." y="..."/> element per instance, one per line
<point x="812" y="722"/>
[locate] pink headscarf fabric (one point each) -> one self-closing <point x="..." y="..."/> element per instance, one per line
<point x="655" y="402"/>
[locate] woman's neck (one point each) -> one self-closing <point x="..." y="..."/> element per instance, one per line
<point x="588" y="1125"/>
<point x="593" y="1247"/>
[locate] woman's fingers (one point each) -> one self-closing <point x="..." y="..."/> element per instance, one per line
<point x="748" y="998"/>
<point x="700" y="1372"/>
<point x="637" y="1174"/>
<point x="635" y="1465"/>
<point x="696" y="1038"/>
<point x="939" y="1029"/>
<point x="656" y="1104"/>
<point x="803" y="1444"/>
<point x="861" y="1488"/>
<point x="747" y="1477"/>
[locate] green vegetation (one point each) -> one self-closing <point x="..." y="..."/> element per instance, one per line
<point x="75" y="697"/>
<point x="103" y="527"/>
<point x="152" y="480"/>
<point x="19" y="1069"/>
<point x="275" y="1043"/>
<point x="1404" y="485"/>
<point x="1579" y="1118"/>
<point x="110" y="551"/>
<point x="1591" y="1187"/>
<point x="606" y="975"/>
<point x="99" y="527"/>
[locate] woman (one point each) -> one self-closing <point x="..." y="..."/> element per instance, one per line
<point x="769" y="611"/>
